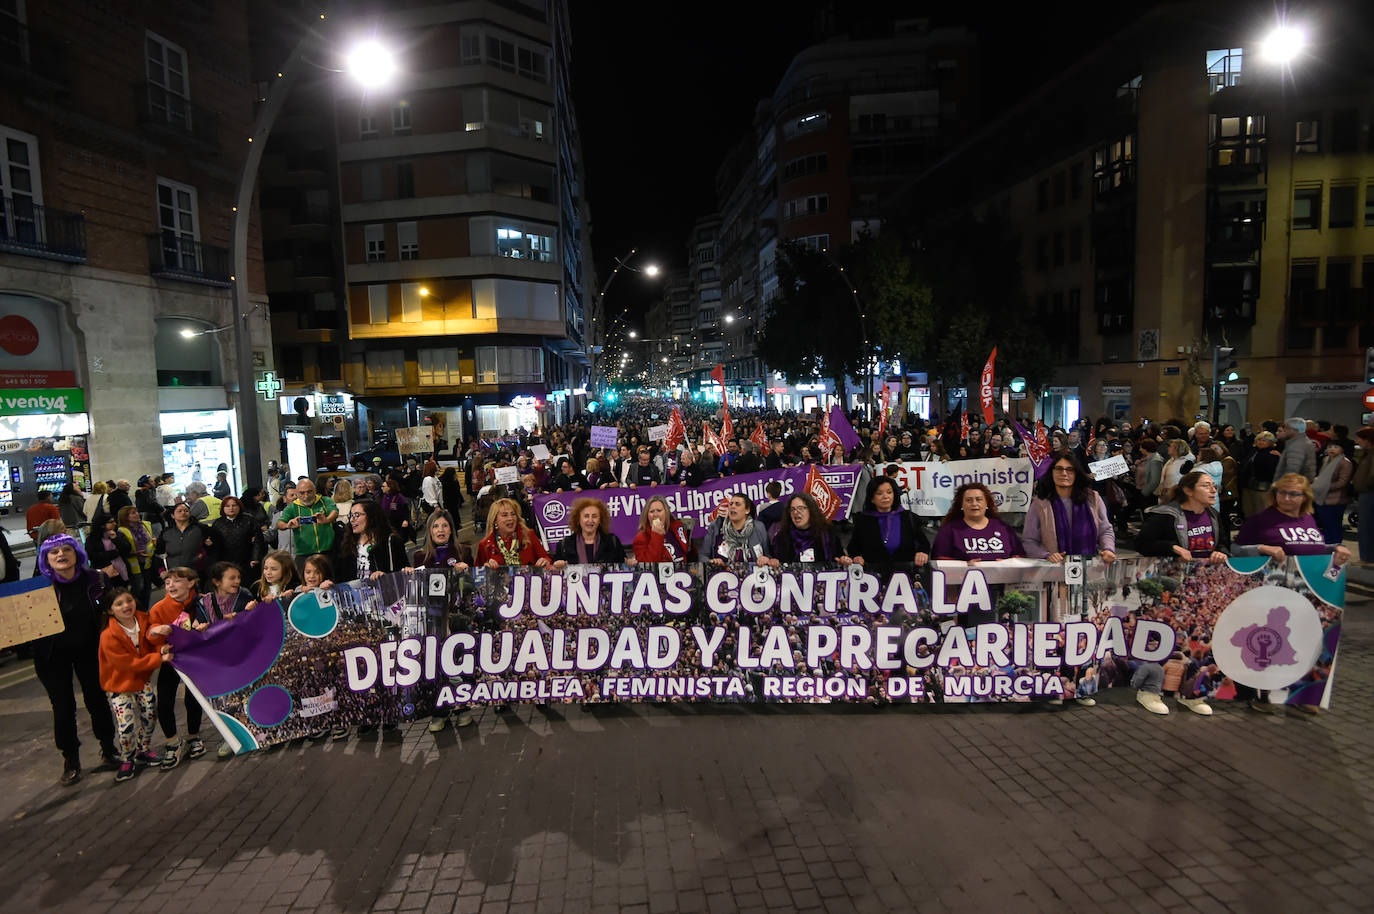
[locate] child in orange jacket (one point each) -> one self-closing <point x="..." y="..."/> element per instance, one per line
<point x="128" y="658"/>
<point x="180" y="601"/>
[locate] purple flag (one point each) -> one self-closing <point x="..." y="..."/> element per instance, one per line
<point x="1042" y="466"/>
<point x="233" y="654"/>
<point x="841" y="427"/>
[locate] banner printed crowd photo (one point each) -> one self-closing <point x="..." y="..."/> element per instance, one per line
<point x="411" y="643"/>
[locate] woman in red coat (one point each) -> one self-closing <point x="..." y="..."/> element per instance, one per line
<point x="661" y="537"/>
<point x="510" y="542"/>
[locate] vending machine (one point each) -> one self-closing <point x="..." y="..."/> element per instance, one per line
<point x="51" y="473"/>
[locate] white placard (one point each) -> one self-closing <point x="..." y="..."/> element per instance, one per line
<point x="930" y="486"/>
<point x="1109" y="468"/>
<point x="507" y="475"/>
<point x="540" y="452"/>
<point x="658" y="432"/>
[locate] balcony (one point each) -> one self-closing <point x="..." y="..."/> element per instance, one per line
<point x="1235" y="240"/>
<point x="174" y="117"/>
<point x="41" y="231"/>
<point x="31" y="59"/>
<point x="174" y="257"/>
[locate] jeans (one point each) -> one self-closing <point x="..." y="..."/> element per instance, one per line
<point x="167" y="682"/>
<point x="55" y="672"/>
<point x="1149" y="677"/>
<point x="1366" y="508"/>
<point x="1087" y="687"/>
<point x="1331" y="520"/>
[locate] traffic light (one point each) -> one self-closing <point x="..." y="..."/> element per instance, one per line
<point x="1369" y="365"/>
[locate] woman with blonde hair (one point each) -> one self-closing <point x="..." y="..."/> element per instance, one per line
<point x="591" y="541"/>
<point x="509" y="541"/>
<point x="1180" y="461"/>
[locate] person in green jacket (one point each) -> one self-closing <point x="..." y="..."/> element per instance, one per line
<point x="311" y="519"/>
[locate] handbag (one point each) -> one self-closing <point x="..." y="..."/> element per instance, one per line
<point x="1113" y="494"/>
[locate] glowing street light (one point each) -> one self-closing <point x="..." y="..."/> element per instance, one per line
<point x="651" y="269"/>
<point x="370" y="64"/>
<point x="633" y="334"/>
<point x="1283" y="44"/>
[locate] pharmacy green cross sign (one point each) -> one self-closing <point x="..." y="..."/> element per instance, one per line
<point x="269" y="386"/>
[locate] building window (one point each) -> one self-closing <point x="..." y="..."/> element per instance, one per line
<point x="525" y="242"/>
<point x="327" y="361"/>
<point x="1237" y="140"/>
<point x="1341" y="213"/>
<point x="385" y="367"/>
<point x="819" y="242"/>
<point x="179" y="223"/>
<point x="370" y="176"/>
<point x="1114" y="165"/>
<point x="1369" y="204"/>
<point x="20" y="186"/>
<point x="1302" y="301"/>
<point x="509" y="364"/>
<point x="412" y="302"/>
<point x="1307" y="207"/>
<point x="1076" y="180"/>
<point x="811" y="205"/>
<point x="708" y="275"/>
<point x="471" y="48"/>
<point x="1306" y="135"/>
<point x="1223" y="68"/>
<point x="378" y="306"/>
<point x="439" y="366"/>
<point x="405" y="180"/>
<point x="1345" y="131"/>
<point x="531" y="64"/>
<point x="400" y="117"/>
<point x="708" y="295"/>
<point x="169" y="89"/>
<point x="811" y="122"/>
<point x="367" y="127"/>
<point x="375" y="239"/>
<point x="806" y="165"/>
<point x="408" y="240"/>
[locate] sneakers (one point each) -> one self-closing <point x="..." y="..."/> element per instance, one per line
<point x="464" y="719"/>
<point x="1151" y="702"/>
<point x="438" y="722"/>
<point x="195" y="747"/>
<point x="1197" y="706"/>
<point x="148" y="759"/>
<point x="1087" y="702"/>
<point x="171" y="756"/>
<point x="71" y="771"/>
<point x="224" y="752"/>
<point x="126" y="772"/>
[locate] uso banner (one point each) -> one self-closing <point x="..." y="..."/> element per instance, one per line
<point x="415" y="642"/>
<point x="551" y="512"/>
<point x="931" y="485"/>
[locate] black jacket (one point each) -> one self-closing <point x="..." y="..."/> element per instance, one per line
<point x="11" y="572"/>
<point x="385" y="557"/>
<point x="1162" y="530"/>
<point x="239" y="541"/>
<point x="100" y="556"/>
<point x="609" y="550"/>
<point x="867" y="541"/>
<point x="827" y="549"/>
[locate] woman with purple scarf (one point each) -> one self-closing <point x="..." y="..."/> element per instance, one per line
<point x="885" y="533"/>
<point x="76" y="649"/>
<point x="592" y="543"/>
<point x="804" y="534"/>
<point x="1066" y="516"/>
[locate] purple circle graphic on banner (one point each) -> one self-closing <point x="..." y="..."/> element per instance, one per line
<point x="269" y="706"/>
<point x="229" y="656"/>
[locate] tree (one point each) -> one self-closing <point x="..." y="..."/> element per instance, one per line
<point x="1016" y="604"/>
<point x="811" y="329"/>
<point x="897" y="299"/>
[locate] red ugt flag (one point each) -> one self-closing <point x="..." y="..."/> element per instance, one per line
<point x="759" y="438"/>
<point x="677" y="431"/>
<point x="819" y="489"/>
<point x="884" y="410"/>
<point x="985" y="388"/>
<point x="827" y="439"/>
<point x="963" y="424"/>
<point x="727" y="427"/>
<point x="710" y="439"/>
<point x="718" y="375"/>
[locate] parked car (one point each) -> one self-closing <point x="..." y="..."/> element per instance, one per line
<point x="387" y="450"/>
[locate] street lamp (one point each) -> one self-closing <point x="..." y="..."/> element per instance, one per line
<point x="1283" y="44"/>
<point x="371" y="66"/>
<point x="621" y="263"/>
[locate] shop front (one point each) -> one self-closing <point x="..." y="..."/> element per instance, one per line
<point x="1060" y="406"/>
<point x="1116" y="402"/>
<point x="1339" y="402"/>
<point x="196" y="442"/>
<point x="43" y="444"/>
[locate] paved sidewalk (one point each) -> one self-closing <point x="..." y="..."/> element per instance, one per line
<point x="683" y="809"/>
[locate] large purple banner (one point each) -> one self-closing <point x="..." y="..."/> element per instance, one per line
<point x="626" y="505"/>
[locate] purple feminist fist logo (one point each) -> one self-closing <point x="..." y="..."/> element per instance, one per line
<point x="1261" y="645"/>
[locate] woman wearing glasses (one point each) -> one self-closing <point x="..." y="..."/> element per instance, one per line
<point x="804" y="535"/>
<point x="370" y="547"/>
<point x="1066" y="516"/>
<point x="1188" y="524"/>
<point x="1287" y="526"/>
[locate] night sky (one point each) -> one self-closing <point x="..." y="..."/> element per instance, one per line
<point x="663" y="90"/>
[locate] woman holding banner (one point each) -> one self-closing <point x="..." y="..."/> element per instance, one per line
<point x="1067" y="517"/>
<point x="885" y="533"/>
<point x="804" y="534"/>
<point x="509" y="541"/>
<point x="592" y="542"/>
<point x="972" y="532"/>
<point x="737" y="537"/>
<point x="662" y="537"/>
<point x="1188" y="524"/>
<point x="370" y="547"/>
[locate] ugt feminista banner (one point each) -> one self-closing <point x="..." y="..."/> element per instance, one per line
<point x="415" y="642"/>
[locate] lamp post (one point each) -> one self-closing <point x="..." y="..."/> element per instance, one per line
<point x="370" y="64"/>
<point x="650" y="270"/>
